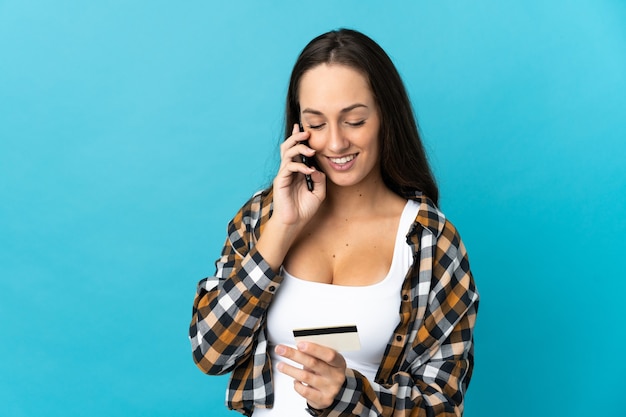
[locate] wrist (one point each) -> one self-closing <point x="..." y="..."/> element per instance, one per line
<point x="312" y="410"/>
<point x="274" y="242"/>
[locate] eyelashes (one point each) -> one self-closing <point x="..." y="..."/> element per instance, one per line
<point x="356" y="124"/>
<point x="351" y="124"/>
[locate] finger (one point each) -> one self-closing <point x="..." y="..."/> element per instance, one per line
<point x="317" y="390"/>
<point x="293" y="354"/>
<point x="322" y="353"/>
<point x="307" y="357"/>
<point x="292" y="140"/>
<point x="296" y="152"/>
<point x="299" y="374"/>
<point x="317" y="381"/>
<point x="319" y="180"/>
<point x="315" y="398"/>
<point x="293" y="146"/>
<point x="290" y="167"/>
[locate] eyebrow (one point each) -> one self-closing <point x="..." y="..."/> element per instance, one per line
<point x="345" y="110"/>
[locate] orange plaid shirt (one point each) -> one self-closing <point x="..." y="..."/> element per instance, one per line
<point x="427" y="364"/>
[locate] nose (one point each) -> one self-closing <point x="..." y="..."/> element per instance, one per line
<point x="337" y="141"/>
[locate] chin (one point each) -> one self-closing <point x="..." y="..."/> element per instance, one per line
<point x="346" y="182"/>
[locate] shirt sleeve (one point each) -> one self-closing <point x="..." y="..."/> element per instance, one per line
<point x="433" y="378"/>
<point x="230" y="306"/>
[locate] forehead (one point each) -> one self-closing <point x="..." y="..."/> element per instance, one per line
<point x="334" y="86"/>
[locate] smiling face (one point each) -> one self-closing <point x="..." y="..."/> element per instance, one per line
<point x="339" y="109"/>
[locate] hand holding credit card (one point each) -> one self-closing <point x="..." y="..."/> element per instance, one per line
<point x="339" y="338"/>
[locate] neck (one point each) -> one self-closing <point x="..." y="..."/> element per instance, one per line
<point x="361" y="199"/>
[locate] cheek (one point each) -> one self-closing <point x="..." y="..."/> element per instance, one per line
<point x="377" y="146"/>
<point x="315" y="141"/>
<point x="373" y="140"/>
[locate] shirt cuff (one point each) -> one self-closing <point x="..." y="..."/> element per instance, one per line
<point x="258" y="277"/>
<point x="349" y="395"/>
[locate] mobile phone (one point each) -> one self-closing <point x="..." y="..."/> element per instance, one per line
<point x="306" y="161"/>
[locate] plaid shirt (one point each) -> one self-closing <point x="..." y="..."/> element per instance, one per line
<point x="427" y="364"/>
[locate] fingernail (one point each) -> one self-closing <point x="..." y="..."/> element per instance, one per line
<point x="301" y="346"/>
<point x="280" y="349"/>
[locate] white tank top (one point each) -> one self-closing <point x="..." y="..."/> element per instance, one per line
<point x="374" y="309"/>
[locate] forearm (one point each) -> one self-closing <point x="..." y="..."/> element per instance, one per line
<point x="431" y="382"/>
<point x="407" y="395"/>
<point x="228" y="312"/>
<point x="275" y="242"/>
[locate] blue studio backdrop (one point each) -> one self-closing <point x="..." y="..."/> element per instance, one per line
<point x="132" y="131"/>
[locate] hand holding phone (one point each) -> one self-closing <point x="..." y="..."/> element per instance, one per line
<point x="306" y="161"/>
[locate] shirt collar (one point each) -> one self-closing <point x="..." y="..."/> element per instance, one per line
<point x="428" y="217"/>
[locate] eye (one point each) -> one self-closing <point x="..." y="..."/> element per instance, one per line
<point x="316" y="127"/>
<point x="356" y="124"/>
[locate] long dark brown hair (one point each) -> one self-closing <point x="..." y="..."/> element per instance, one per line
<point x="403" y="161"/>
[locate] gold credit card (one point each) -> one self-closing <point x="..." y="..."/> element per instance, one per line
<point x="339" y="338"/>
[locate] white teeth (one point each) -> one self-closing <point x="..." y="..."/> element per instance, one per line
<point x="342" y="160"/>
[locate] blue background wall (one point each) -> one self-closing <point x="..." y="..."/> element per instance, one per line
<point x="130" y="133"/>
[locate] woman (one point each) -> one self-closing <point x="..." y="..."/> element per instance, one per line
<point x="364" y="246"/>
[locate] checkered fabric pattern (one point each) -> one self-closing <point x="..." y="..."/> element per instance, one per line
<point x="427" y="364"/>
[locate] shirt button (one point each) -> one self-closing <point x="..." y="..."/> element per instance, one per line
<point x="399" y="338"/>
<point x="272" y="288"/>
<point x="405" y="297"/>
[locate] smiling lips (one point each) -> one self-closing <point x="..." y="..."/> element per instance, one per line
<point x="342" y="163"/>
<point x="343" y="159"/>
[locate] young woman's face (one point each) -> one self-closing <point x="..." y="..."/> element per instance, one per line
<point x="338" y="108"/>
